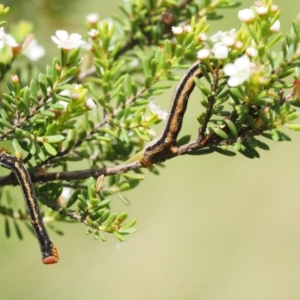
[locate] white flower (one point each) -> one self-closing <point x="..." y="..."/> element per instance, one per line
<point x="275" y="27"/>
<point x="6" y="39"/>
<point x="220" y="51"/>
<point x="66" y="193"/>
<point x="187" y="28"/>
<point x="92" y="18"/>
<point x="261" y="10"/>
<point x="66" y="41"/>
<point x="134" y="63"/>
<point x="251" y="51"/>
<point x="274" y="8"/>
<point x="225" y="37"/>
<point x="34" y="51"/>
<point x="202" y="37"/>
<point x="74" y="95"/>
<point x="203" y="54"/>
<point x="90" y="104"/>
<point x="93" y="33"/>
<point x="239" y="71"/>
<point x="65" y="93"/>
<point x="155" y="109"/>
<point x="14" y="78"/>
<point x="63" y="103"/>
<point x="177" y="30"/>
<point x="238" y="45"/>
<point x="246" y="15"/>
<point x="228" y="40"/>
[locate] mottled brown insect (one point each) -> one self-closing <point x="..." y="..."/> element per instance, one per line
<point x="166" y="142"/>
<point x="15" y="164"/>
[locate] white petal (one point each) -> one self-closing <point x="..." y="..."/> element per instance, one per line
<point x="75" y="37"/>
<point x="230" y="69"/>
<point x="228" y="40"/>
<point x="217" y="37"/>
<point x="246" y="15"/>
<point x="10" y="41"/>
<point x="242" y="62"/>
<point x="203" y="54"/>
<point x="90" y="104"/>
<point x="275" y="27"/>
<point x="177" y="30"/>
<point x="220" y="51"/>
<point x="92" y="18"/>
<point x="233" y="81"/>
<point x="55" y="40"/>
<point x="62" y="35"/>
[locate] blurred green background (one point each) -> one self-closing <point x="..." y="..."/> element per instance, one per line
<point x="209" y="227"/>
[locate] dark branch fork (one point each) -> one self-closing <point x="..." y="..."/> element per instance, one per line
<point x="48" y="250"/>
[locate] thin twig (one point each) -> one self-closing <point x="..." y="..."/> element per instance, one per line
<point x="74" y="175"/>
<point x="71" y="214"/>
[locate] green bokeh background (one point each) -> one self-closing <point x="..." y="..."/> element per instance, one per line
<point x="209" y="227"/>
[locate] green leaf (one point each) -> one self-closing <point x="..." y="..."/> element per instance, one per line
<point x="96" y="235"/>
<point x="17" y="146"/>
<point x="103" y="237"/>
<point x="123" y="198"/>
<point x="53" y="139"/>
<point x="50" y="149"/>
<point x="48" y="113"/>
<point x="9" y="98"/>
<point x="238" y="146"/>
<point x="275" y="135"/>
<point x="119" y="236"/>
<point x="222" y="134"/>
<point x="18" y="230"/>
<point x="136" y="176"/>
<point x="223" y="151"/>
<point x="295" y="127"/>
<point x="205" y="90"/>
<point x="7" y="106"/>
<point x="3" y="114"/>
<point x="246" y="153"/>
<point x="102" y="203"/>
<point x="128" y="225"/>
<point x="122" y="217"/>
<point x="184" y="140"/>
<point x="91" y="187"/>
<point x="43" y="83"/>
<point x="40" y="152"/>
<point x="231" y="127"/>
<point x="104" y="216"/>
<point x="7" y="228"/>
<point x="127" y="231"/>
<point x="262" y="145"/>
<point x="251" y="150"/>
<point x="52" y="128"/>
<point x="73" y="198"/>
<point x="286" y="73"/>
<point x="146" y="65"/>
<point x="202" y="151"/>
<point x="111" y="219"/>
<point x="127" y="85"/>
<point x="33" y="88"/>
<point x="5" y="123"/>
<point x="32" y="147"/>
<point x="97" y="215"/>
<point x="55" y="229"/>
